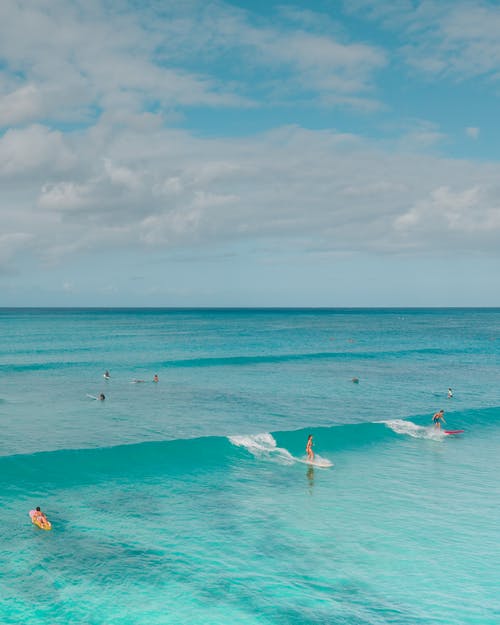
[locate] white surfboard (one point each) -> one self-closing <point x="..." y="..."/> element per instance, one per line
<point x="318" y="461"/>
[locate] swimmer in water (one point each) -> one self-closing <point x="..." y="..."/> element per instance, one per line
<point x="309" y="448"/>
<point x="450" y="393"/>
<point x="102" y="397"/>
<point x="437" y="418"/>
<point x="106" y="374"/>
<point x="156" y="379"/>
<point x="40" y="516"/>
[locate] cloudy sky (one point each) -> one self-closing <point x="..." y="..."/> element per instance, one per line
<point x="249" y="153"/>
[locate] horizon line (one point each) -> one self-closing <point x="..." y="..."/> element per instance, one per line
<point x="229" y="308"/>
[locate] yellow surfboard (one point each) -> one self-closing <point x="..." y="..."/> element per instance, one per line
<point x="43" y="525"/>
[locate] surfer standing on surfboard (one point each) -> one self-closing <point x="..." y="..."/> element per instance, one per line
<point x="309" y="448"/>
<point x="437" y="418"/>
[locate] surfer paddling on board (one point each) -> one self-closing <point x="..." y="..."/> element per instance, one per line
<point x="39" y="516"/>
<point x="309" y="448"/>
<point x="437" y="418"/>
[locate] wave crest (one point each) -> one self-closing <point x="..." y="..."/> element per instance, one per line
<point x="263" y="446"/>
<point x="412" y="429"/>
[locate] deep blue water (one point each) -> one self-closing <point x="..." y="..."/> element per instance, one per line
<point x="186" y="501"/>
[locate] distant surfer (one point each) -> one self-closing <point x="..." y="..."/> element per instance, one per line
<point x="156" y="379"/>
<point x="450" y="393"/>
<point x="39" y="519"/>
<point x="355" y="380"/>
<point x="309" y="448"/>
<point x="437" y="418"/>
<point x="106" y="375"/>
<point x="39" y="516"/>
<point x="100" y="397"/>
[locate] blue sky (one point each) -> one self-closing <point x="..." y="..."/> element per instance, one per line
<point x="249" y="153"/>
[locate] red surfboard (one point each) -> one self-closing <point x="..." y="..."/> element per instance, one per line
<point x="453" y="431"/>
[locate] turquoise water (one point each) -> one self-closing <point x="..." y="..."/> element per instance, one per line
<point x="185" y="501"/>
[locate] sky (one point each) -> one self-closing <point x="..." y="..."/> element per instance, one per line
<point x="249" y="153"/>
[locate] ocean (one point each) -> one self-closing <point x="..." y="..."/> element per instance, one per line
<point x="188" y="500"/>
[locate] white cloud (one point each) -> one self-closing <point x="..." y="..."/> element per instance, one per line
<point x="36" y="147"/>
<point x="421" y="136"/>
<point x="64" y="196"/>
<point x="166" y="190"/>
<point x="171" y="186"/>
<point x="470" y="217"/>
<point x="120" y="178"/>
<point x="325" y="64"/>
<point x="76" y="58"/>
<point x="20" y="105"/>
<point x="12" y="244"/>
<point x="472" y="132"/>
<point x="67" y="62"/>
<point x="442" y="37"/>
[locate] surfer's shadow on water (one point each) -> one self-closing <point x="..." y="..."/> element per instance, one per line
<point x="310" y="479"/>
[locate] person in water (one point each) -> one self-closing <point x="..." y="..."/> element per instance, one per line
<point x="156" y="379"/>
<point x="40" y="516"/>
<point x="102" y="397"/>
<point x="309" y="448"/>
<point x="437" y="418"/>
<point x="106" y="374"/>
<point x="450" y="393"/>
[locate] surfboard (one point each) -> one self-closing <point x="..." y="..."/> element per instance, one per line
<point x="41" y="524"/>
<point x="322" y="463"/>
<point x="454" y="431"/>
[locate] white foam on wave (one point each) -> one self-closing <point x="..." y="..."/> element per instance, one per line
<point x="264" y="446"/>
<point x="412" y="429"/>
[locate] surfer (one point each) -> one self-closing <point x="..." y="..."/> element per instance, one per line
<point x="106" y="374"/>
<point x="156" y="379"/>
<point x="309" y="448"/>
<point x="39" y="516"/>
<point x="450" y="393"/>
<point x="437" y="418"/>
<point x="102" y="397"/>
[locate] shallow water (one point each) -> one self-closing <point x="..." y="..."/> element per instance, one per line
<point x="185" y="501"/>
